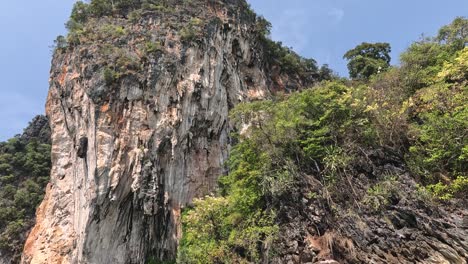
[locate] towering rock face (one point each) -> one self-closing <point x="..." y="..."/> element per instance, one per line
<point x="139" y="117"/>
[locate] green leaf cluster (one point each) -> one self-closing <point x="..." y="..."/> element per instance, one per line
<point x="192" y="30"/>
<point x="438" y="135"/>
<point x="368" y="59"/>
<point x="235" y="226"/>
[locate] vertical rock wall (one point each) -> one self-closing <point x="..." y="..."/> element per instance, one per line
<point x="129" y="155"/>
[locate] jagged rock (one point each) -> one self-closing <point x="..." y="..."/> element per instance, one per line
<point x="407" y="230"/>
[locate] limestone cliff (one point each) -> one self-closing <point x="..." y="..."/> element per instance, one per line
<point x="138" y="109"/>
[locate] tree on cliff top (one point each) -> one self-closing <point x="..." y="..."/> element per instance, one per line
<point x="368" y="59"/>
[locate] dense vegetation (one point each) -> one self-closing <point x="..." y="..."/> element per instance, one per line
<point x="24" y="174"/>
<point x="416" y="112"/>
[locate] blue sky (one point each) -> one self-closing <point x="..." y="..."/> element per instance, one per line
<point x="319" y="29"/>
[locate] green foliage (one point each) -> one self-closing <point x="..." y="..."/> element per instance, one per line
<point x="83" y="12"/>
<point x="326" y="74"/>
<point x="94" y="31"/>
<point x="378" y="196"/>
<point x="75" y="31"/>
<point x="422" y="62"/>
<point x="439" y="137"/>
<point x="98" y="8"/>
<point x="110" y="75"/>
<point x="457" y="188"/>
<point x="120" y="62"/>
<point x="335" y="161"/>
<point x="191" y="31"/>
<point x="24" y="172"/>
<point x="455" y="34"/>
<point x="417" y="112"/>
<point x="80" y="12"/>
<point x="263" y="26"/>
<point x="232" y="227"/>
<point x="385" y="103"/>
<point x="112" y="31"/>
<point x="456" y="70"/>
<point x="75" y="25"/>
<point x="368" y="59"/>
<point x="420" y="111"/>
<point x="157" y="5"/>
<point x="287" y="59"/>
<point x="60" y="43"/>
<point x="305" y="123"/>
<point x="152" y="47"/>
<point x="135" y="15"/>
<point x="188" y="33"/>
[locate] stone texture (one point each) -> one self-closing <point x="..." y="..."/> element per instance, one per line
<point x="346" y="229"/>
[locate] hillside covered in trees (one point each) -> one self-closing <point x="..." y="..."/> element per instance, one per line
<point x="24" y="173"/>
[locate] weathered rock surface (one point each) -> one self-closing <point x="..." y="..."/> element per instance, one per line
<point x="129" y="154"/>
<point x="353" y="226"/>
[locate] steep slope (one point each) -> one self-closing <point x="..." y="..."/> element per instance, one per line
<point x="24" y="173"/>
<point x="372" y="170"/>
<point x="138" y="107"/>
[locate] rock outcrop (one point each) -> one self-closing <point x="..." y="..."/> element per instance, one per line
<point x="140" y="127"/>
